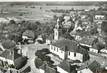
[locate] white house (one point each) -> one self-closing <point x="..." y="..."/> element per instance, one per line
<point x="45" y="68"/>
<point x="93" y="50"/>
<point x="93" y="67"/>
<point x="65" y="48"/>
<point x="4" y="20"/>
<point x="99" y="17"/>
<point x="64" y="67"/>
<point x="86" y="70"/>
<point x="9" y="57"/>
<point x="103" y="52"/>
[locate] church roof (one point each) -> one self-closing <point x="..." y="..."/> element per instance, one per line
<point x="66" y="44"/>
<point x="70" y="44"/>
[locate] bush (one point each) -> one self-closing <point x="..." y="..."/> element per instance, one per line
<point x="42" y="52"/>
<point x="28" y="69"/>
<point x="38" y="62"/>
<point x="20" y="62"/>
<point x="8" y="44"/>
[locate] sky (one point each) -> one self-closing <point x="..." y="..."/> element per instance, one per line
<point x="44" y="0"/>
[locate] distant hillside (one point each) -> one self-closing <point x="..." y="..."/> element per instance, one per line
<point x="55" y="3"/>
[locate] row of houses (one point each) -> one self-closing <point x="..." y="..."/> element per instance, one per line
<point x="71" y="50"/>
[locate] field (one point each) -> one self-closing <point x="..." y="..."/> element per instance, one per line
<point x="34" y="12"/>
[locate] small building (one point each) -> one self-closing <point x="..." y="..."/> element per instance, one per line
<point x="49" y="39"/>
<point x="103" y="52"/>
<point x="64" y="67"/>
<point x="8" y="57"/>
<point x="45" y="68"/>
<point x="85" y="70"/>
<point x="39" y="38"/>
<point x="94" y="67"/>
<point x="99" y="17"/>
<point x="28" y="36"/>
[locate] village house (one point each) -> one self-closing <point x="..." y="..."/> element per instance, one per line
<point x="93" y="67"/>
<point x="103" y="52"/>
<point x="66" y="67"/>
<point x="39" y="38"/>
<point x="8" y="57"/>
<point x="63" y="67"/>
<point x="45" y="68"/>
<point x="28" y="36"/>
<point x="99" y="17"/>
<point x="4" y="20"/>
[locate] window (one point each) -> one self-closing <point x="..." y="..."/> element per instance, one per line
<point x="61" y="51"/>
<point x="57" y="49"/>
<point x="56" y="33"/>
<point x="74" y="54"/>
<point x="51" y="47"/>
<point x="69" y="53"/>
<point x="54" y="48"/>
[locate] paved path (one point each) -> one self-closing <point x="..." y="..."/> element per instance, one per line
<point x="32" y="48"/>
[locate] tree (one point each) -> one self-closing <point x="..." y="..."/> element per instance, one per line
<point x="55" y="17"/>
<point x="8" y="44"/>
<point x="38" y="62"/>
<point x="20" y="62"/>
<point x="15" y="36"/>
<point x="104" y="26"/>
<point x="94" y="31"/>
<point x="12" y="22"/>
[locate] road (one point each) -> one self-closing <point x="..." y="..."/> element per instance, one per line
<point x="31" y="49"/>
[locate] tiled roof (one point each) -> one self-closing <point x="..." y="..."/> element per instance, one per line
<point x="82" y="34"/>
<point x="86" y="40"/>
<point x="65" y="65"/>
<point x="94" y="66"/>
<point x="69" y="44"/>
<point x="29" y="34"/>
<point x="47" y="69"/>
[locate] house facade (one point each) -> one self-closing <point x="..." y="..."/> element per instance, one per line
<point x="65" y="48"/>
<point x="86" y="70"/>
<point x="99" y="17"/>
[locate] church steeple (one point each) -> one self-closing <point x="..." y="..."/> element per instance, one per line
<point x="57" y="25"/>
<point x="56" y="30"/>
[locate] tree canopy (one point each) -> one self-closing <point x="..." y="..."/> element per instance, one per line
<point x="8" y="44"/>
<point x="38" y="62"/>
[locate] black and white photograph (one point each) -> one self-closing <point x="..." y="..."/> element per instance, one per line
<point x="53" y="36"/>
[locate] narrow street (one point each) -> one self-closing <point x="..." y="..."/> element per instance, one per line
<point x="32" y="48"/>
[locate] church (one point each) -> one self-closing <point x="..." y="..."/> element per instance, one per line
<point x="65" y="48"/>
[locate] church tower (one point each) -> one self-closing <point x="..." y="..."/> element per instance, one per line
<point x="56" y="30"/>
